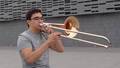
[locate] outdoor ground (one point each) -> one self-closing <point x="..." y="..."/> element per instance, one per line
<point x="73" y="57"/>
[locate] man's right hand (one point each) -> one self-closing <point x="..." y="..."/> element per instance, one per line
<point x="53" y="37"/>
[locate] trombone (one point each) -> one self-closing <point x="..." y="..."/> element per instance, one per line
<point x="70" y="26"/>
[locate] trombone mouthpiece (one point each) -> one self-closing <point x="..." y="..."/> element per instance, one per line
<point x="43" y="27"/>
<point x="44" y="24"/>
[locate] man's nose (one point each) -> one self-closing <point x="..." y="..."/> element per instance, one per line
<point x="40" y="21"/>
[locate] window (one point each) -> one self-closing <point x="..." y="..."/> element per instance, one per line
<point x="67" y="1"/>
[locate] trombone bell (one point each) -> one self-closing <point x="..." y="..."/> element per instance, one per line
<point x="71" y="23"/>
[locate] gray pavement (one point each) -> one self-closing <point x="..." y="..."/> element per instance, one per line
<point x="73" y="57"/>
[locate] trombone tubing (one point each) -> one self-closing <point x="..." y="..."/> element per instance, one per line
<point x="82" y="33"/>
<point x="86" y="41"/>
<point x="50" y="24"/>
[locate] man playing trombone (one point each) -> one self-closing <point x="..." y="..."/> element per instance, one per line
<point x="33" y="44"/>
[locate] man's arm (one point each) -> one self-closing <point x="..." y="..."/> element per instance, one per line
<point x="31" y="56"/>
<point x="59" y="47"/>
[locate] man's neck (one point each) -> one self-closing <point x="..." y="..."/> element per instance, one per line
<point x="34" y="30"/>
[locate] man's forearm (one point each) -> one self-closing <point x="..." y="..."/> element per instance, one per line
<point x="59" y="47"/>
<point x="37" y="53"/>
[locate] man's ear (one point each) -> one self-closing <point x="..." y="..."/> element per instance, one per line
<point x="28" y="23"/>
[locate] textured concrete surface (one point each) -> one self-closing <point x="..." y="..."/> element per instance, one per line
<point x="73" y="57"/>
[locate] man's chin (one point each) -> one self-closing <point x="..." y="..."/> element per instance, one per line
<point x="40" y="30"/>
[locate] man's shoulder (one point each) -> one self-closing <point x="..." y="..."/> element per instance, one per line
<point x="24" y="33"/>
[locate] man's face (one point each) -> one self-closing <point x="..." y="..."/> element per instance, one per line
<point x="35" y="21"/>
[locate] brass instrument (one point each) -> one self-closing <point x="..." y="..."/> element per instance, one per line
<point x="71" y="26"/>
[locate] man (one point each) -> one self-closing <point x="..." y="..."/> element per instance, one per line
<point x="33" y="44"/>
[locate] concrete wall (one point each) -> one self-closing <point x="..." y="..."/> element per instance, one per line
<point x="102" y="24"/>
<point x="9" y="32"/>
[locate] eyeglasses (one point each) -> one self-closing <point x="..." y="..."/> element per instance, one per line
<point x="38" y="18"/>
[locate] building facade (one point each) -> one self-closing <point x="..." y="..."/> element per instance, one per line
<point x="16" y="9"/>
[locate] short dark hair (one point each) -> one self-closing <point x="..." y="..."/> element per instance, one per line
<point x="31" y="12"/>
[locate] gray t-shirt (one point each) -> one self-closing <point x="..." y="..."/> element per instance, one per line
<point x="28" y="39"/>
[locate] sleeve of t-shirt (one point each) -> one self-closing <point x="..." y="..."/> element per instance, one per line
<point x="23" y="42"/>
